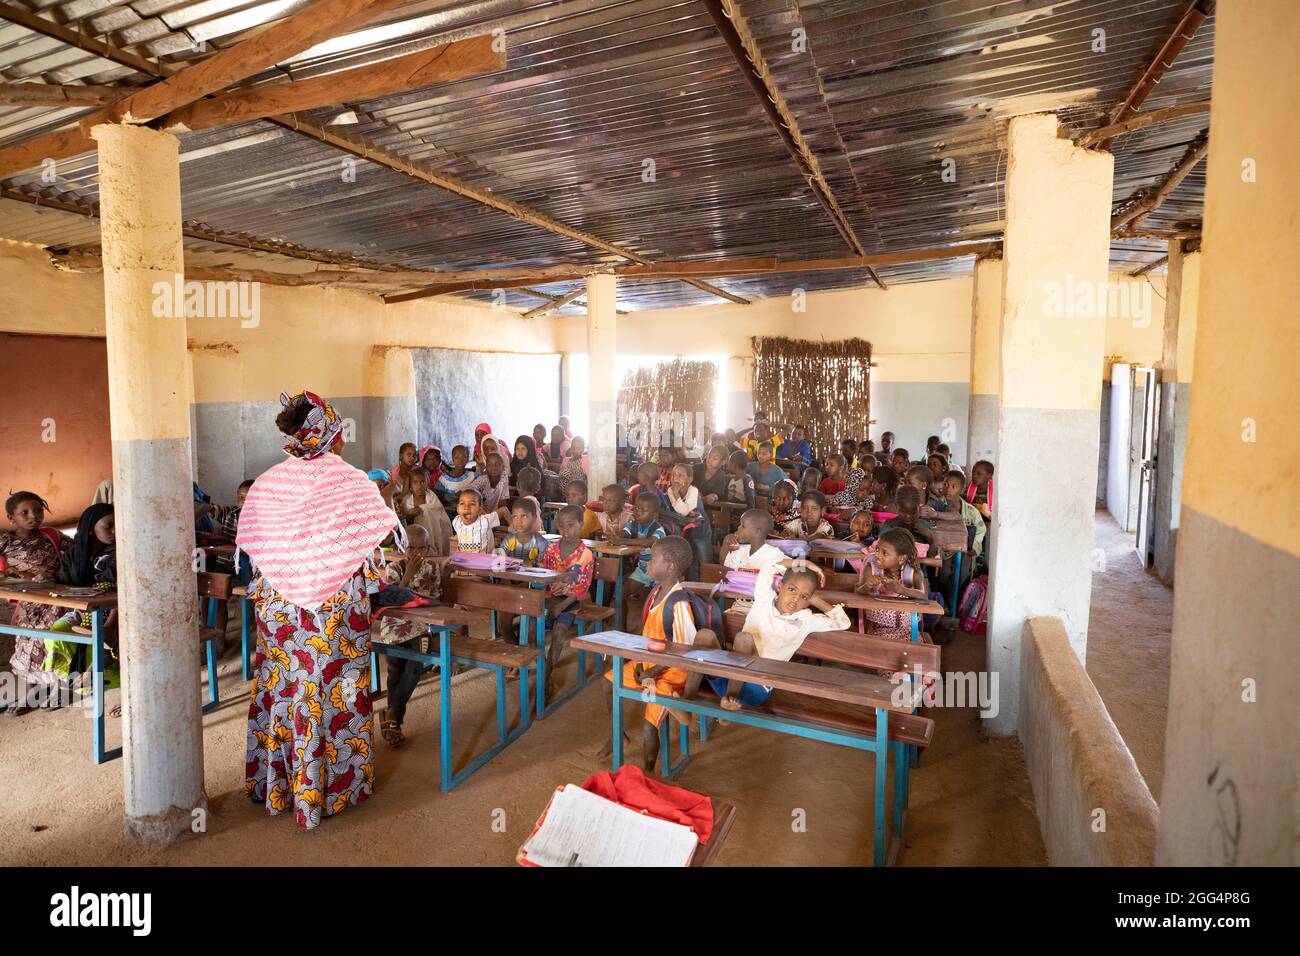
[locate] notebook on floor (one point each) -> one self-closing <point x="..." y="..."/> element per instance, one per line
<point x="579" y="828"/>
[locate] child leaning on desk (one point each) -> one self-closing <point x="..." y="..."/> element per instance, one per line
<point x="892" y="570"/>
<point x="779" y="619"/>
<point x="569" y="554"/>
<point x="418" y="572"/>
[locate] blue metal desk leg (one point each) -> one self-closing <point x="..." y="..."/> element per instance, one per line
<point x="444" y="678"/>
<point x="617" y="714"/>
<point x="541" y="666"/>
<point x="245" y="638"/>
<point x="97" y="676"/>
<point x="956" y="583"/>
<point x="619" y="621"/>
<point x="879" y="847"/>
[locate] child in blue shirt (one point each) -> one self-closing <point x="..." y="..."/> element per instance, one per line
<point x="765" y="472"/>
<point x="796" y="448"/>
<point x="644" y="524"/>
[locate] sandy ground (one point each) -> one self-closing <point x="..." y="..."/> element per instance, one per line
<point x="970" y="803"/>
<point x="1129" y="629"/>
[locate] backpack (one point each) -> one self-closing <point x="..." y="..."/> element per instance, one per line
<point x="972" y="612"/>
<point x="706" y="612"/>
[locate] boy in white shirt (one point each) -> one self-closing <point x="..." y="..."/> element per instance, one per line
<point x="777" y="624"/>
<point x="472" y="528"/>
<point x="747" y="549"/>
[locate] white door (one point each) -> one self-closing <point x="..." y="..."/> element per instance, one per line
<point x="1150" y="434"/>
<point x="1118" y="457"/>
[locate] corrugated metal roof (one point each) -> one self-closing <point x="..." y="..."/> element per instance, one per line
<point x="595" y="91"/>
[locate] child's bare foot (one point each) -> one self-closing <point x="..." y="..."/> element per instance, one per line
<point x="730" y="702"/>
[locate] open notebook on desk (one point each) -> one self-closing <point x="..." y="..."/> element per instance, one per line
<point x="580" y="828"/>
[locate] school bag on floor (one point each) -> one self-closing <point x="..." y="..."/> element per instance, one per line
<point x="972" y="612"/>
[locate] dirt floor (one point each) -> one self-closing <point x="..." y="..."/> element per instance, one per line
<point x="970" y="803"/>
<point x="1129" y="629"/>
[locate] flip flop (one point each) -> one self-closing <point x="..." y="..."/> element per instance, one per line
<point x="392" y="732"/>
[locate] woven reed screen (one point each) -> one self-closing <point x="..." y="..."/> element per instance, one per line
<point x="669" y="403"/>
<point x="824" y="386"/>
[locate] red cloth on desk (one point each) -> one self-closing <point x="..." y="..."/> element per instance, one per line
<point x="631" y="788"/>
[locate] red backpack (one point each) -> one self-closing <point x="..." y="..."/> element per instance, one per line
<point x="973" y="611"/>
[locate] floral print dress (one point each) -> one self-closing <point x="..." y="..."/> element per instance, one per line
<point x="309" y="740"/>
<point x="36" y="559"/>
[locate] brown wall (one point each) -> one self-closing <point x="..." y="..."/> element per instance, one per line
<point x="63" y="378"/>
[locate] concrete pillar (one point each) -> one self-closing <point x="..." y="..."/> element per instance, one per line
<point x="740" y="393"/>
<point x="140" y="228"/>
<point x="393" y="411"/>
<point x="1231" y="792"/>
<point x="1181" y="298"/>
<point x="1052" y="344"/>
<point x="986" y="321"/>
<point x="602" y="387"/>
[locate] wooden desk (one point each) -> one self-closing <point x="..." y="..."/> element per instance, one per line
<point x="850" y="599"/>
<point x="536" y="577"/>
<point x="98" y="604"/>
<point x="724" y="815"/>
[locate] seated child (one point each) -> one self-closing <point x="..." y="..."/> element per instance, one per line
<point x="401" y="472"/>
<point x="884" y="481"/>
<point x="918" y="477"/>
<point x="856" y="490"/>
<point x="785" y="508"/>
<point x="647" y="479"/>
<point x="575" y="465"/>
<point x="665" y="459"/>
<point x="859" y="527"/>
<point x="644" y="523"/>
<point x="687" y="517"/>
<point x="796" y="448"/>
<point x="417" y="571"/>
<point x="740" y="486"/>
<point x="431" y="462"/>
<point x="867" y="455"/>
<point x="893" y="570"/>
<point x="835" y="480"/>
<point x="907" y="504"/>
<point x="471" y="527"/>
<point x="493" y="485"/>
<point x="575" y="493"/>
<point x="980" y="490"/>
<point x="226" y="517"/>
<point x="849" y="452"/>
<point x="456" y="477"/>
<point x="529" y="485"/>
<point x="938" y="465"/>
<point x="811" y="480"/>
<point x="671" y="614"/>
<point x="901" y="460"/>
<point x="526" y="543"/>
<point x="810" y="525"/>
<point x="569" y="554"/>
<point x="421" y="507"/>
<point x="953" y="484"/>
<point x="765" y="472"/>
<point x="613" y="514"/>
<point x="747" y="549"/>
<point x="777" y="623"/>
<point x="30" y="551"/>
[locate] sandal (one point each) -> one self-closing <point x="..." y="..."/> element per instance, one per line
<point x="392" y="732"/>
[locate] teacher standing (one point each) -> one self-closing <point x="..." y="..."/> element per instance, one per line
<point x="311" y="525"/>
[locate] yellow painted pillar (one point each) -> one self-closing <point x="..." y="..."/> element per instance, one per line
<point x="985" y="345"/>
<point x="1231" y="791"/>
<point x="1052" y="339"/>
<point x="140" y="228"/>
<point x="1181" y="298"/>
<point x="602" y="387"/>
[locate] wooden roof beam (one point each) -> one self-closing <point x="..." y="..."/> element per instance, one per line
<point x="1196" y="14"/>
<point x="1141" y="207"/>
<point x="1141" y="121"/>
<point x="50" y="94"/>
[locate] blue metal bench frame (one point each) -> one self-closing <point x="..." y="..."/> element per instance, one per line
<point x="444" y="658"/>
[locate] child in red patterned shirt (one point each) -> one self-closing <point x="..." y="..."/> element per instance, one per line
<point x="572" y="555"/>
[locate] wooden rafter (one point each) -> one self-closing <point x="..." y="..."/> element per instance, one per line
<point x="304" y="126"/>
<point x="318" y="21"/>
<point x="1141" y="121"/>
<point x="1179" y="37"/>
<point x="50" y="94"/>
<point x="1143" y="205"/>
<point x="441" y="64"/>
<point x="734" y="30"/>
<point x="561" y="302"/>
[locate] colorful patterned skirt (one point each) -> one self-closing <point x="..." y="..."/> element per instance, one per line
<point x="309" y="722"/>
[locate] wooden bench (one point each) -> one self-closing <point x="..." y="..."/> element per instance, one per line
<point x="840" y="706"/>
<point x="214" y="591"/>
<point x="450" y="645"/>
